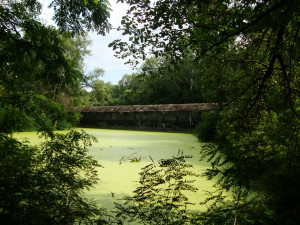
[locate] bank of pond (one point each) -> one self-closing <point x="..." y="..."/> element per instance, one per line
<point x="123" y="153"/>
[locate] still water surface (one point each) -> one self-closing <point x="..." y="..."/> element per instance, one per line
<point x="114" y="150"/>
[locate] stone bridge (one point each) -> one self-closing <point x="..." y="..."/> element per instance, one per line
<point x="165" y="117"/>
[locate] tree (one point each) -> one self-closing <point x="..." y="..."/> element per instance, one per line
<point x="75" y="49"/>
<point x="79" y="17"/>
<point x="158" y="81"/>
<point x="101" y="93"/>
<point x="81" y="96"/>
<point x="33" y="51"/>
<point x="167" y="82"/>
<point x="248" y="55"/>
<point x="130" y="89"/>
<point x="212" y="28"/>
<point x="44" y="184"/>
<point x="93" y="77"/>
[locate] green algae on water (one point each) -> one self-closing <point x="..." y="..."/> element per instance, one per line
<point x="122" y="155"/>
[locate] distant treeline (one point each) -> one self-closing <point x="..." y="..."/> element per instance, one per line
<point x="156" y="82"/>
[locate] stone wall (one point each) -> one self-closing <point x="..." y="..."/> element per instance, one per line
<point x="170" y="117"/>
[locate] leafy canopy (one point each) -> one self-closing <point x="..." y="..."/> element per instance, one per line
<point x="248" y="56"/>
<point x="44" y="184"/>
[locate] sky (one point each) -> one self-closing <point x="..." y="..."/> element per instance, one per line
<point x="101" y="55"/>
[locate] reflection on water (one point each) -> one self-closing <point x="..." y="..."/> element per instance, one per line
<point x="116" y="149"/>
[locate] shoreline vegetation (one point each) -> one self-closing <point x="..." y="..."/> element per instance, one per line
<point x="243" y="55"/>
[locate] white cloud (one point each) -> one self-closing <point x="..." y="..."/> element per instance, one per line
<point x="103" y="56"/>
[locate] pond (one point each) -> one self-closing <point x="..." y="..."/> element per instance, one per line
<point x="116" y="149"/>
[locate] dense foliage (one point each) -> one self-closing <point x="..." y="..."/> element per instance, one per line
<point x="44" y="184"/>
<point x="157" y="81"/>
<point x="247" y="55"/>
<point x="38" y="65"/>
<point x="243" y="55"/>
<point x="160" y="198"/>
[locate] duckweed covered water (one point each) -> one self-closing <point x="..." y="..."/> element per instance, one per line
<point x="115" y="151"/>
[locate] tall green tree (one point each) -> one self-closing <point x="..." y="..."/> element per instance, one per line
<point x="75" y="50"/>
<point x="158" y="81"/>
<point x="167" y="82"/>
<point x="129" y="89"/>
<point x="44" y="184"/>
<point x="248" y="55"/>
<point x="101" y="93"/>
<point x="81" y="96"/>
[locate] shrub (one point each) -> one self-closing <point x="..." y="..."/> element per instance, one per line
<point x="206" y="130"/>
<point x="159" y="199"/>
<point x="44" y="184"/>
